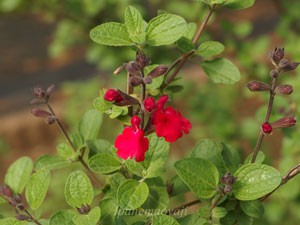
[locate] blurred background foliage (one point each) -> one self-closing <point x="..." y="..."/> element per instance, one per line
<point x="228" y="113"/>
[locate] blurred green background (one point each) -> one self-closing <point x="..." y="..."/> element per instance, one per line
<point x="47" y="42"/>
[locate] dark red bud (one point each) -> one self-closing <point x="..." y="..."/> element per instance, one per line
<point x="158" y="71"/>
<point x="147" y="80"/>
<point x="277" y="55"/>
<point x="133" y="68"/>
<point x="119" y="69"/>
<point x="149" y="104"/>
<point x="170" y="188"/>
<point x="50" y="120"/>
<point x="6" y="191"/>
<point x="284" y="89"/>
<point x="289" y="66"/>
<point x="135" y="81"/>
<point x="274" y="74"/>
<point x="49" y="91"/>
<point x="17" y="198"/>
<point x="142" y="60"/>
<point x="258" y="86"/>
<point x="84" y="209"/>
<point x="284" y="122"/>
<point x="22" y="217"/>
<point x="112" y="95"/>
<point x="21" y="206"/>
<point x="39" y="92"/>
<point x="40" y="113"/>
<point x="228" y="179"/>
<point x="266" y="128"/>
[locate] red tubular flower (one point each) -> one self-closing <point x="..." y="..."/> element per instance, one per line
<point x="149" y="104"/>
<point x="112" y="95"/>
<point x="168" y="122"/>
<point x="132" y="143"/>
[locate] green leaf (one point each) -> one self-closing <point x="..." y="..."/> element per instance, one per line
<point x="89" y="125"/>
<point x="164" y="220"/>
<point x="165" y="29"/>
<point x="115" y="181"/>
<point x="260" y="158"/>
<point x="178" y="186"/>
<point x="231" y="158"/>
<point x="158" y="196"/>
<point x="12" y="221"/>
<point x="219" y="212"/>
<point x="63" y="217"/>
<point x="9" y="5"/>
<point x="255" y="180"/>
<point x="209" y="49"/>
<point x="112" y="34"/>
<point x="18" y="174"/>
<point x="109" y="210"/>
<point x="78" y="189"/>
<point x="135" y="167"/>
<point x="102" y="106"/>
<point x="156" y="156"/>
<point x="37" y="187"/>
<point x="200" y="175"/>
<point x="175" y="88"/>
<point x="253" y="208"/>
<point x="212" y="2"/>
<point x="135" y="25"/>
<point x="65" y="151"/>
<point x="117" y="111"/>
<point x="239" y="4"/>
<point x="221" y="71"/>
<point x="185" y="44"/>
<point x="104" y="163"/>
<point x="212" y="151"/>
<point x="91" y="218"/>
<point x="190" y="31"/>
<point x="50" y="162"/>
<point x="99" y="146"/>
<point x="132" y="194"/>
<point x="2" y="200"/>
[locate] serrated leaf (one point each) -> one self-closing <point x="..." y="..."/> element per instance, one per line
<point x="253" y="208"/>
<point x="18" y="174"/>
<point x="78" y="189"/>
<point x="260" y="158"/>
<point x="37" y="187"/>
<point x="63" y="217"/>
<point x="132" y="194"/>
<point x="221" y="71"/>
<point x="112" y="34"/>
<point x="50" y="162"/>
<point x="12" y="221"/>
<point x="104" y="163"/>
<point x="89" y="125"/>
<point x="200" y="175"/>
<point x="209" y="49"/>
<point x="158" y="196"/>
<point x="164" y="220"/>
<point x="135" y="25"/>
<point x="156" y="156"/>
<point x="239" y="4"/>
<point x="91" y="218"/>
<point x="255" y="180"/>
<point x="165" y="29"/>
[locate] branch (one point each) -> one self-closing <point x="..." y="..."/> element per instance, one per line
<point x="184" y="206"/>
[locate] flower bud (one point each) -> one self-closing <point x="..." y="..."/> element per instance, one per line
<point x="142" y="60"/>
<point x="284" y="89"/>
<point x="266" y="128"/>
<point x="119" y="69"/>
<point x="22" y="217"/>
<point x="112" y="95"/>
<point x="133" y="68"/>
<point x="5" y="191"/>
<point x="49" y="91"/>
<point x="135" y="122"/>
<point x="21" y="206"/>
<point x="40" y="113"/>
<point x="37" y="101"/>
<point x="135" y="81"/>
<point x="17" y="198"/>
<point x="50" y="120"/>
<point x="274" y="74"/>
<point x="149" y="104"/>
<point x="84" y="209"/>
<point x="277" y="55"/>
<point x="39" y="92"/>
<point x="228" y="178"/>
<point x="284" y="122"/>
<point x="288" y="66"/>
<point x="258" y="86"/>
<point x="147" y="80"/>
<point x="126" y="100"/>
<point x="158" y="71"/>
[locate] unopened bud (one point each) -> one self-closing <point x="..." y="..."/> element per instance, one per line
<point x="5" y="191"/>
<point x="284" y="122"/>
<point x="284" y="89"/>
<point x="112" y="95"/>
<point x="37" y="101"/>
<point x="17" y="198"/>
<point x="170" y="188"/>
<point x="21" y="206"/>
<point x="135" y="81"/>
<point x="49" y="91"/>
<point x="277" y="55"/>
<point x="39" y="92"/>
<point x="84" y="209"/>
<point x="158" y="71"/>
<point x="258" y="86"/>
<point x="149" y="104"/>
<point x="228" y="179"/>
<point x="126" y="100"/>
<point x="289" y="66"/>
<point x="119" y="69"/>
<point x="142" y="60"/>
<point x="133" y="68"/>
<point x="274" y="74"/>
<point x="50" y="120"/>
<point x="266" y="128"/>
<point x="40" y="113"/>
<point x="147" y="80"/>
<point x="22" y="217"/>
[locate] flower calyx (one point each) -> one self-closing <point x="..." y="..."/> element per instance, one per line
<point x="258" y="86"/>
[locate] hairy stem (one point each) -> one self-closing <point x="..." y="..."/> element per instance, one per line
<point x="184" y="206"/>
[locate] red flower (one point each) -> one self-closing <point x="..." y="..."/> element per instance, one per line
<point x="132" y="143"/>
<point x="267" y="128"/>
<point x="149" y="104"/>
<point x="112" y="95"/>
<point x="168" y="122"/>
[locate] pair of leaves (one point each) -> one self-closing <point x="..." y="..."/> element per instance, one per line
<point x="232" y="4"/>
<point x="164" y="29"/>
